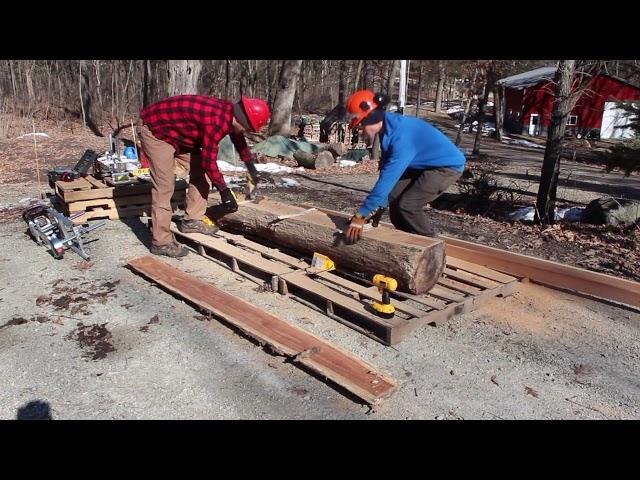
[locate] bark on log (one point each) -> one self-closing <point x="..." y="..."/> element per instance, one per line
<point x="337" y="149"/>
<point x="310" y="160"/>
<point x="416" y="262"/>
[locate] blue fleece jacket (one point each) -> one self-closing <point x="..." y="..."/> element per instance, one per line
<point x="409" y="143"/>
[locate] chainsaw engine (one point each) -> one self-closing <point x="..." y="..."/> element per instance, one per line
<point x="57" y="232"/>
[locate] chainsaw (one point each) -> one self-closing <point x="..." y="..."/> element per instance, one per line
<point x="56" y="231"/>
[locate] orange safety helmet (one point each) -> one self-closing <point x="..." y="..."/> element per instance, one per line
<point x="257" y="111"/>
<point x="360" y="105"/>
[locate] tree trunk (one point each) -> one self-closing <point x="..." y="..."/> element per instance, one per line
<point x="28" y="80"/>
<point x="283" y="103"/>
<point x="391" y="79"/>
<point x="183" y="76"/>
<point x="420" y="68"/>
<point x="467" y="109"/>
<point x="356" y="81"/>
<point x="149" y="84"/>
<point x="300" y="89"/>
<point x="416" y="262"/>
<point x="14" y="84"/>
<point x="98" y="89"/>
<point x="545" y="204"/>
<point x="342" y="82"/>
<point x="481" y="104"/>
<point x="227" y="78"/>
<point x="498" y="105"/>
<point x="376" y="150"/>
<point x="442" y="76"/>
<point x="86" y="100"/>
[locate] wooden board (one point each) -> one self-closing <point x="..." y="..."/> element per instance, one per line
<point x="336" y="364"/>
<point x="100" y="212"/>
<point x="82" y="189"/>
<point x="547" y="272"/>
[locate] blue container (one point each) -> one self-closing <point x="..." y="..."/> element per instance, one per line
<point x="130" y="153"/>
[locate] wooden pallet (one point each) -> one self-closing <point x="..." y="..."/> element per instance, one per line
<point x="100" y="201"/>
<point x="121" y="202"/>
<point x="85" y="188"/>
<point x="102" y="211"/>
<point x="462" y="288"/>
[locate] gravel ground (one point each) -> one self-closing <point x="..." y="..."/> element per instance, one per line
<point x="96" y="341"/>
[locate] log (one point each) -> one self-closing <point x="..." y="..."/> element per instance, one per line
<point x="415" y="261"/>
<point x="337" y="149"/>
<point x="313" y="161"/>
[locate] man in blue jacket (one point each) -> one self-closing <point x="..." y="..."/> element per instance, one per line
<point x="418" y="164"/>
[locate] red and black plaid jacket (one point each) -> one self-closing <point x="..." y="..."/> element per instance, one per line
<point x="196" y="121"/>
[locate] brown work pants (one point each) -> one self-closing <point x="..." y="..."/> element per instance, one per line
<point x="163" y="164"/>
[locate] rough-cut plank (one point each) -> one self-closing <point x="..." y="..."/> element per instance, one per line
<point x="338" y="365"/>
<point x="415" y="261"/>
<point x="95" y="182"/>
<point x="546" y="272"/>
<point x="479" y="270"/>
<point x="471" y="278"/>
<point x="77" y="184"/>
<point x="143" y="188"/>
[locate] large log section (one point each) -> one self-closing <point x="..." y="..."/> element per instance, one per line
<point x="416" y="262"/>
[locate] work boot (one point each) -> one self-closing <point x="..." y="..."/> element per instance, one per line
<point x="169" y="249"/>
<point x="197" y="226"/>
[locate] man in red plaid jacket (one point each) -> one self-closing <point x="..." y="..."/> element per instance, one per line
<point x="187" y="129"/>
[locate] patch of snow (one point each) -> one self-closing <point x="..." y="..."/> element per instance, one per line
<point x="526" y="214"/>
<point x="272" y="168"/>
<point x="347" y="163"/>
<point x="290" y="182"/>
<point x="523" y="143"/>
<point x="573" y="214"/>
<point x="227" y="167"/>
<point x="37" y="134"/>
<point x="456" y="109"/>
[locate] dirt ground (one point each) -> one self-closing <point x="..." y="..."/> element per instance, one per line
<point x="93" y="340"/>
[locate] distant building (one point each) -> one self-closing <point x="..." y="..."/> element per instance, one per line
<point x="529" y="100"/>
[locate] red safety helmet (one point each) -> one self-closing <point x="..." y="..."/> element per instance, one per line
<point x="360" y="105"/>
<point x="257" y="112"/>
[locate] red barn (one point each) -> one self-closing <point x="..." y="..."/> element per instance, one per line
<point x="529" y="101"/>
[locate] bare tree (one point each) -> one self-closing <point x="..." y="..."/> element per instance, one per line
<point x="420" y="68"/>
<point x="482" y="102"/>
<point x="283" y="103"/>
<point x="86" y="100"/>
<point x="356" y="81"/>
<point x="342" y="82"/>
<point x="569" y="87"/>
<point x="394" y="68"/>
<point x="442" y="76"/>
<point x="467" y="109"/>
<point x="183" y="76"/>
